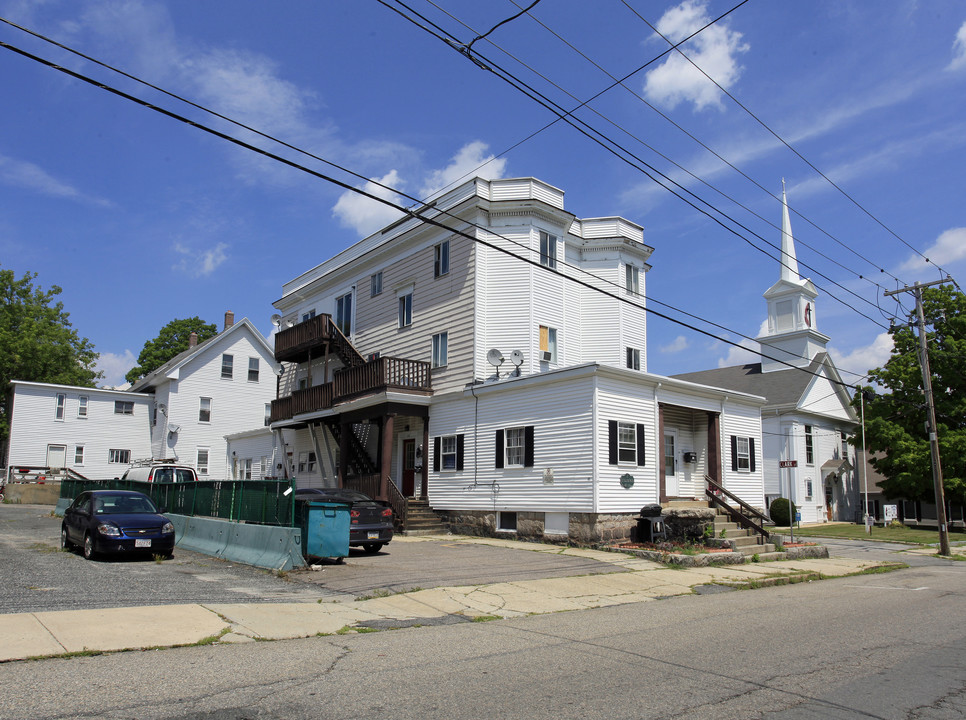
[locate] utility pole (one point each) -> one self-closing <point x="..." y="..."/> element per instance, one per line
<point x="937" y="470"/>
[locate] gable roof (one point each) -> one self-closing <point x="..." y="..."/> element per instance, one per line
<point x="151" y="380"/>
<point x="781" y="387"/>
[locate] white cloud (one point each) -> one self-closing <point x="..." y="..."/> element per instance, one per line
<point x="863" y="359"/>
<point x="470" y="160"/>
<point x="364" y="215"/>
<point x="115" y="367"/>
<point x="949" y="247"/>
<point x="22" y="174"/>
<point x="677" y="345"/>
<point x="959" y="50"/>
<point x="714" y="50"/>
<point x="200" y="263"/>
<point x="744" y="353"/>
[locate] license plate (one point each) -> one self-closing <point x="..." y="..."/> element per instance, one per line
<point x="373" y="535"/>
<point x="142" y="543"/>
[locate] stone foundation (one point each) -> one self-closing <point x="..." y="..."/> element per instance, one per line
<point x="585" y="528"/>
<point x="688" y="523"/>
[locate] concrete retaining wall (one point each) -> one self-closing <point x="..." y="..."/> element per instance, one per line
<point x="32" y="493"/>
<point x="264" y="546"/>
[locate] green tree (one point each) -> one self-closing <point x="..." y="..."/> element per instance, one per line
<point x="37" y="342"/>
<point x="895" y="422"/>
<point x="171" y="341"/>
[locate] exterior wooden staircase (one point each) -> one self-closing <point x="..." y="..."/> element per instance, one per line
<point x="742" y="540"/>
<point x="421" y="520"/>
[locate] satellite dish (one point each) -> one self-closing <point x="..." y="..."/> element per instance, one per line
<point x="516" y="357"/>
<point x="494" y="357"/>
<point x="173" y="428"/>
<point x="290" y="322"/>
<point x="277" y="320"/>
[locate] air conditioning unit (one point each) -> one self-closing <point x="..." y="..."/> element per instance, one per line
<point x="546" y="355"/>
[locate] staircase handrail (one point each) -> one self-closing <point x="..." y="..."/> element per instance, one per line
<point x="714" y="491"/>
<point x="344" y="347"/>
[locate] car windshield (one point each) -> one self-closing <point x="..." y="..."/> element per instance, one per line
<point x="126" y="504"/>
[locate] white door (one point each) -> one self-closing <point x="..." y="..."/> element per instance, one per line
<point x="56" y="456"/>
<point x="671" y="464"/>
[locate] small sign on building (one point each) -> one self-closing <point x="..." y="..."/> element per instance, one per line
<point x="787" y="463"/>
<point x="627" y="480"/>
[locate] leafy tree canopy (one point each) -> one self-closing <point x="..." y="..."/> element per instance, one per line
<point x="895" y="422"/>
<point x="171" y="341"/>
<point x="37" y="342"/>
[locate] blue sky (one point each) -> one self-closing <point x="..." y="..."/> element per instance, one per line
<point x="141" y="219"/>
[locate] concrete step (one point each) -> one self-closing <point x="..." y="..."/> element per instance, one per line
<point x="759" y="550"/>
<point x="771" y="555"/>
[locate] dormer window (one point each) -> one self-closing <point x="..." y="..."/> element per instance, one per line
<point x="548" y="250"/>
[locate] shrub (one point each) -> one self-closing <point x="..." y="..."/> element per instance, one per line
<point x="780" y="512"/>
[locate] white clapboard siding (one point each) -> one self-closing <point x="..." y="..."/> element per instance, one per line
<point x="34" y="427"/>
<point x="822" y="398"/>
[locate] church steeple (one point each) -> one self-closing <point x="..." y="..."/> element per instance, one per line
<point x="791" y="336"/>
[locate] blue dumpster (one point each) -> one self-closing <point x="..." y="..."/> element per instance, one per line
<point x="326" y="530"/>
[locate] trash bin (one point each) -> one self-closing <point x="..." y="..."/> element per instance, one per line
<point x="325" y="530"/>
<point x="650" y="525"/>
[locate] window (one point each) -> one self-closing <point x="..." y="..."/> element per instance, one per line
<point x="343" y="313"/>
<point x="78" y="454"/>
<point x="669" y="456"/>
<point x="204" y="411"/>
<point x="406" y="310"/>
<point x="252" y="369"/>
<point x="625" y="442"/>
<point x="808" y="488"/>
<point x="548" y="344"/>
<point x="448" y="453"/>
<point x="845" y="445"/>
<point x="440" y="342"/>
<point x="633" y="358"/>
<point x="632" y="279"/>
<point x="202" y="464"/>
<point x="247" y="469"/>
<point x="227" y="363"/>
<point x="548" y="250"/>
<point x="303" y="383"/>
<point x="809" y="449"/>
<point x="506" y="521"/>
<point x="375" y="284"/>
<point x="743" y="450"/>
<point x="61" y="401"/>
<point x="82" y="406"/>
<point x="122" y="457"/>
<point x="441" y="259"/>
<point x="268" y="413"/>
<point x="123" y="407"/>
<point x="514" y="447"/>
<point x="306" y="316"/>
<point x="742" y="454"/>
<point x="307" y="461"/>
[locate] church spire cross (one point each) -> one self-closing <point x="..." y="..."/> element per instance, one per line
<point x="788" y="259"/>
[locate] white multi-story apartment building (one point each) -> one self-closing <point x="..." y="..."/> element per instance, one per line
<point x="490" y="356"/>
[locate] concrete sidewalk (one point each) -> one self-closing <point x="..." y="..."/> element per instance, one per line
<point x="45" y="634"/>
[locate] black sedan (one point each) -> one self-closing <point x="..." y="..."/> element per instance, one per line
<point x="116" y="521"/>
<point x="370" y="523"/>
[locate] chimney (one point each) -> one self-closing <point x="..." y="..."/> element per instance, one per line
<point x="192" y="339"/>
<point x="229" y="319"/>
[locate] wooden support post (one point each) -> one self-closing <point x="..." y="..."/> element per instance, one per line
<point x="386" y="465"/>
<point x="346" y="428"/>
<point x="424" y="474"/>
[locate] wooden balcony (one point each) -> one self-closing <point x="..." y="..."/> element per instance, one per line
<point x="373" y="377"/>
<point x="313" y="337"/>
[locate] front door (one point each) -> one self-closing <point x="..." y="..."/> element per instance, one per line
<point x="409" y="468"/>
<point x="56" y="456"/>
<point x="670" y="464"/>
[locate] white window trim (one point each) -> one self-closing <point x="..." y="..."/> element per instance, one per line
<point x="231" y="366"/>
<point x="440" y="341"/>
<point x="202" y="468"/>
<point x="257" y="369"/>
<point x="621" y="425"/>
<point x="201" y="409"/>
<point x="746" y="455"/>
<point x="441" y="259"/>
<point x="79" y="463"/>
<point x="83" y="403"/>
<point x="60" y="407"/>
<point x="548" y="259"/>
<point x="443" y="452"/>
<point x="521" y="448"/>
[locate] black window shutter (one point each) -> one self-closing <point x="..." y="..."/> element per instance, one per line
<point x="528" y="446"/>
<point x="612" y="442"/>
<point x="640" y="444"/>
<point x="459" y="452"/>
<point x="751" y="450"/>
<point x="436" y="454"/>
<point x="499" y="449"/>
<point x="734" y="453"/>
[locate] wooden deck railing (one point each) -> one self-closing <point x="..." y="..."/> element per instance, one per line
<point x="745" y="515"/>
<point x="299" y="338"/>
<point x="371" y="485"/>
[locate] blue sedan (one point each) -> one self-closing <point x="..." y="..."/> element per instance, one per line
<point x="116" y="521"/>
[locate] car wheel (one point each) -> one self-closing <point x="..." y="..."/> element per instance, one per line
<point x="89" y="551"/>
<point x="372" y="548"/>
<point x="65" y="542"/>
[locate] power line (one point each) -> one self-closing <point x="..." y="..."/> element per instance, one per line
<point x="418" y="215"/>
<point x="628" y="157"/>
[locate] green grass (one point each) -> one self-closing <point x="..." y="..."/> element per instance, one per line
<point x="914" y="536"/>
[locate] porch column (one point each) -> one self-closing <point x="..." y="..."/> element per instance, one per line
<point x="386" y="459"/>
<point x="345" y="429"/>
<point x="714" y="447"/>
<point x="424" y="473"/>
<point x="661" y="467"/>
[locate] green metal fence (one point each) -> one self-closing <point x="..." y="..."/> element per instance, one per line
<point x="250" y="501"/>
